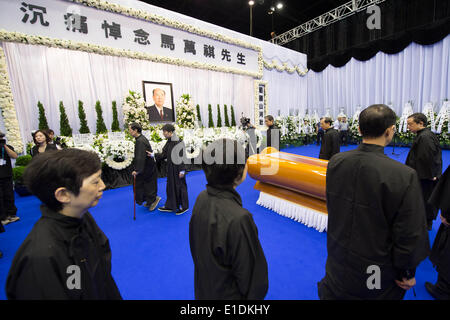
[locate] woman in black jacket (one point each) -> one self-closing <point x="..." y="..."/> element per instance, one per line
<point x="42" y="143"/>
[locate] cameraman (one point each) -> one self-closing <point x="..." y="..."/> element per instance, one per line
<point x="248" y="128"/>
<point x="7" y="208"/>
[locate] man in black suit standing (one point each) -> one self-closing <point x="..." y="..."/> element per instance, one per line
<point x="158" y="112"/>
<point x="330" y="141"/>
<point x="425" y="156"/>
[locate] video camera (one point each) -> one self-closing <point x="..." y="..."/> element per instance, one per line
<point x="245" y="122"/>
<point x="2" y="139"/>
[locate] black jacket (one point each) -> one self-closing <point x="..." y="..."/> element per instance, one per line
<point x="440" y="253"/>
<point x="6" y="169"/>
<point x="154" y="115"/>
<point x="273" y="130"/>
<point x="41" y="267"/>
<point x="330" y="144"/>
<point x="425" y="155"/>
<point x="228" y="259"/>
<point x="166" y="154"/>
<point x="375" y="217"/>
<point x="49" y="147"/>
<point x="142" y="163"/>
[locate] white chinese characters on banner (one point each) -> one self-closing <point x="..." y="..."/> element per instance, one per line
<point x="58" y="19"/>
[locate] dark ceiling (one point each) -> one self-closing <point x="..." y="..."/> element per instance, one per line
<point x="235" y="14"/>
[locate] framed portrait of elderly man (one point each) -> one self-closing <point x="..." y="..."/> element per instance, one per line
<point x="158" y="98"/>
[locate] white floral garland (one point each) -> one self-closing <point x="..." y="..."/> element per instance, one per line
<point x="118" y="148"/>
<point x="284" y="67"/>
<point x="7" y="107"/>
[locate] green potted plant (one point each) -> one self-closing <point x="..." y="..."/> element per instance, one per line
<point x="101" y="127"/>
<point x="233" y="119"/>
<point x="64" y="125"/>
<point x="19" y="186"/>
<point x="210" y="117"/>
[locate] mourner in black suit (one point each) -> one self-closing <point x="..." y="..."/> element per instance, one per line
<point x="440" y="254"/>
<point x="144" y="170"/>
<point x="425" y="157"/>
<point x="273" y="133"/>
<point x="330" y="141"/>
<point x="158" y="112"/>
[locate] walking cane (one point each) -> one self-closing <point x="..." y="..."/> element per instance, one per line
<point x="134" y="197"/>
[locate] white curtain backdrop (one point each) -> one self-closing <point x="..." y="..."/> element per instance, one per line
<point x="418" y="73"/>
<point x="287" y="92"/>
<point x="51" y="75"/>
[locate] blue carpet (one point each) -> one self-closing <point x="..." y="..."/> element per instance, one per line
<point x="151" y="256"/>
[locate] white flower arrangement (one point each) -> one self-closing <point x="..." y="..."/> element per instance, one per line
<point x="103" y="50"/>
<point x="90" y="148"/>
<point x="133" y="108"/>
<point x="288" y="129"/>
<point x="67" y="141"/>
<point x="157" y="146"/>
<point x="186" y="113"/>
<point x="119" y="154"/>
<point x="193" y="145"/>
<point x="8" y="109"/>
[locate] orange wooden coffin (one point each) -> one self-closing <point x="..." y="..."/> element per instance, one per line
<point x="293" y="183"/>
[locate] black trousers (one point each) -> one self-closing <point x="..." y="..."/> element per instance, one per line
<point x="176" y="193"/>
<point x="325" y="292"/>
<point x="147" y="187"/>
<point x="442" y="285"/>
<point x="319" y="137"/>
<point x="344" y="137"/>
<point x="7" y="206"/>
<point x="427" y="190"/>
<point x="182" y="195"/>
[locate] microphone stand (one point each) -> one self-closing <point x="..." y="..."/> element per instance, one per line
<point x="393" y="148"/>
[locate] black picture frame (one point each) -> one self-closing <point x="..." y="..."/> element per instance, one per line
<point x="168" y="115"/>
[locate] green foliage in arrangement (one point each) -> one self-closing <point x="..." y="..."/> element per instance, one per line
<point x="115" y="127"/>
<point x="43" y="124"/>
<point x="64" y="126"/>
<point x="210" y="117"/>
<point x="219" y="118"/>
<point x="101" y="127"/>
<point x="233" y="119"/>
<point x="199" y="117"/>
<point x="84" y="128"/>
<point x="227" y="121"/>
